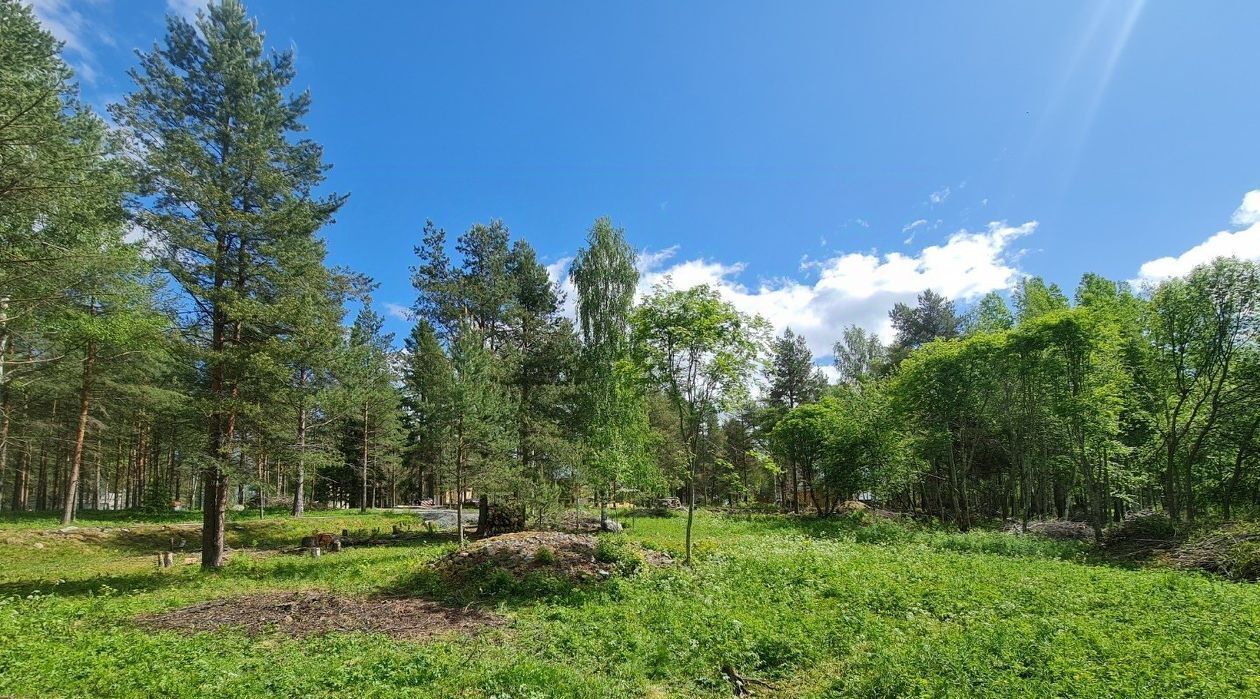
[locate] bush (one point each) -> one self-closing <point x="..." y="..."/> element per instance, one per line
<point x="619" y="553"/>
<point x="545" y="555"/>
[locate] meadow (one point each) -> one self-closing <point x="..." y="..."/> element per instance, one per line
<point x="805" y="607"/>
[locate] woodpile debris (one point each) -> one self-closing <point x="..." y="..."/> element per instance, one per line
<point x="576" y="557"/>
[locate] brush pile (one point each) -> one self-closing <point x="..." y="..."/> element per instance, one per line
<point x="1140" y="535"/>
<point x="1233" y="550"/>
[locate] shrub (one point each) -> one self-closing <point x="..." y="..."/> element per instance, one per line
<point x="618" y="552"/>
<point x="545" y="555"/>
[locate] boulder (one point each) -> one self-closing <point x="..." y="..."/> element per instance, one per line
<point x="610" y="525"/>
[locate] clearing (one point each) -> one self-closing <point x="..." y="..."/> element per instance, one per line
<point x="795" y="607"/>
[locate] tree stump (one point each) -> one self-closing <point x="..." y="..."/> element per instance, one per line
<point x="166" y="559"/>
<point x="316" y="551"/>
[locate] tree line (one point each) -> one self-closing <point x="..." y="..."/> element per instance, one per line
<point x="171" y="330"/>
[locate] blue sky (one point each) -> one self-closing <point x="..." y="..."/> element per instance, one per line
<point x="815" y="161"/>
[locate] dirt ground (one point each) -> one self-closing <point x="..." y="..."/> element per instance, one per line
<point x="301" y="614"/>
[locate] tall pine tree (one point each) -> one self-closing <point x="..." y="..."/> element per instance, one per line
<point x="230" y="202"/>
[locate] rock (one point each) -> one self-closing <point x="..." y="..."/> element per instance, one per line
<point x="67" y="530"/>
<point x="38" y="545"/>
<point x="610" y="525"/>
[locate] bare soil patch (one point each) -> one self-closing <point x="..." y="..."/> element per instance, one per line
<point x="301" y="614"/>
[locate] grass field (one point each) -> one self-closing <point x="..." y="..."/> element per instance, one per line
<point x="813" y="608"/>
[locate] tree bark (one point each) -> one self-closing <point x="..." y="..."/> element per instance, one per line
<point x="4" y="434"/>
<point x="459" y="481"/>
<point x="299" y="483"/>
<point x="76" y="462"/>
<point x="363" y="499"/>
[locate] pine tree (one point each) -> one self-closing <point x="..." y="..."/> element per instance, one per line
<point x="230" y="196"/>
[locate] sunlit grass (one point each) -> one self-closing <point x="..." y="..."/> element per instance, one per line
<point x="815" y="608"/>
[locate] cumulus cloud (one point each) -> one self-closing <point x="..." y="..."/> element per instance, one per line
<point x="853" y="287"/>
<point x="1249" y="212"/>
<point x="1243" y="243"/>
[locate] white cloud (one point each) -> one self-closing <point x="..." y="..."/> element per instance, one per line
<point x="67" y="24"/>
<point x="939" y="196"/>
<point x="855" y="287"/>
<point x="558" y="271"/>
<point x="912" y="228"/>
<point x="1249" y="212"/>
<point x="185" y="8"/>
<point x="1243" y="243"/>
<point x="399" y="311"/>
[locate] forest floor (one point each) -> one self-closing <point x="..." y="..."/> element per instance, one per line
<point x="796" y="607"/>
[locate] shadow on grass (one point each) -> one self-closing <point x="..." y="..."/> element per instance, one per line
<point x="140" y="581"/>
<point x="281" y="567"/>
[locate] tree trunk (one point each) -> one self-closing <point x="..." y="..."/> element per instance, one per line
<point x="76" y="462"/>
<point x="691" y="505"/>
<point x="459" y="481"/>
<point x="4" y="429"/>
<point x="299" y="482"/>
<point x="363" y="500"/>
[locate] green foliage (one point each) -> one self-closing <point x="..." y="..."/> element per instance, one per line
<point x="818" y="608"/>
<point x="699" y="351"/>
<point x="619" y="552"/>
<point x="545" y="555"/>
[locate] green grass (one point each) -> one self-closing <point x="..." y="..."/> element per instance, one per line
<point x="834" y="608"/>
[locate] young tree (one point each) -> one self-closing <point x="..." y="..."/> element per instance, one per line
<point x="308" y="350"/>
<point x="614" y="424"/>
<point x="700" y="351"/>
<point x="230" y="194"/>
<point x="371" y="399"/>
<point x="477" y="415"/>
<point x="792" y="380"/>
<point x="427" y="386"/>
